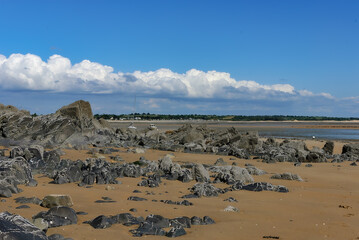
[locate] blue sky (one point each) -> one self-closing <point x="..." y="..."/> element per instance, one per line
<point x="217" y="57"/>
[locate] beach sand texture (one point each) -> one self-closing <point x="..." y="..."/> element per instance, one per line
<point x="324" y="206"/>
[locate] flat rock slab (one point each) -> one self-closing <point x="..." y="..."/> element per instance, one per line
<point x="56" y="200"/>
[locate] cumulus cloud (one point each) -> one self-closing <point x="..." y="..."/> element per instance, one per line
<point x="58" y="74"/>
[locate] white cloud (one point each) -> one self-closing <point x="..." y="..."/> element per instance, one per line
<point x="30" y="72"/>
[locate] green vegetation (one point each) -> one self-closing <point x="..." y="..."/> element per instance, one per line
<point x="150" y="116"/>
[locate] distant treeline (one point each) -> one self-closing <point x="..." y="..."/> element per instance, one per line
<point x="150" y="116"/>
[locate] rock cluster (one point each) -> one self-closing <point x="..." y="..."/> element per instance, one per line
<point x="152" y="225"/>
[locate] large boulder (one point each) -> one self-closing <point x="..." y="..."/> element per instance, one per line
<point x="352" y="148"/>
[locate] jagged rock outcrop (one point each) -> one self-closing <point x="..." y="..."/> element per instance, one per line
<point x="17" y="227"/>
<point x="72" y="124"/>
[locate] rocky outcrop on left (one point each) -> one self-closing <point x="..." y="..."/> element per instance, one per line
<point x="17" y="227"/>
<point x="73" y="124"/>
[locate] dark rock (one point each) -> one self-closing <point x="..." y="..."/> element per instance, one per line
<point x="81" y="213"/>
<point x="22" y="206"/>
<point x="101" y="222"/>
<point x="184" y="202"/>
<point x="5" y="192"/>
<point x="352" y="148"/>
<point x="105" y="201"/>
<point x="205" y="190"/>
<point x="15" y="227"/>
<point x="196" y="221"/>
<point x="207" y="220"/>
<point x="58" y="216"/>
<point x="146" y="228"/>
<point x="134" y="198"/>
<point x="329" y="147"/>
<point x="58" y="237"/>
<point x="158" y="221"/>
<point x="126" y="219"/>
<point x="176" y="232"/>
<point x="263" y="186"/>
<point x="184" y="222"/>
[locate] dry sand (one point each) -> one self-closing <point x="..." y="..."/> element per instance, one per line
<point x="309" y="211"/>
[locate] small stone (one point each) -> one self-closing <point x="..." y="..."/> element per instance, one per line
<point x="109" y="188"/>
<point x="22" y="206"/>
<point x="231" y="209"/>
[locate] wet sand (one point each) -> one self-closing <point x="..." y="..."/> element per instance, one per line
<point x="309" y="211"/>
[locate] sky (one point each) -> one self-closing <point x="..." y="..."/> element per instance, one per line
<point x="224" y="57"/>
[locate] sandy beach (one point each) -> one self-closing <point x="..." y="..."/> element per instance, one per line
<point x="323" y="206"/>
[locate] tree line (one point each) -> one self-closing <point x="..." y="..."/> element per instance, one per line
<point x="150" y="116"/>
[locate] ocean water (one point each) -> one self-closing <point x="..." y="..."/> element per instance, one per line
<point x="265" y="129"/>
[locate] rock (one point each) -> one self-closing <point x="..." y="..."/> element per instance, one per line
<point x="16" y="227"/>
<point x="207" y="220"/>
<point x="183" y="203"/>
<point x="176" y="232"/>
<point x="230" y="199"/>
<point x="134" y="198"/>
<point x="126" y="219"/>
<point x="58" y="216"/>
<point x="55" y="200"/>
<point x="22" y="206"/>
<point x="72" y="124"/>
<point x="287" y="176"/>
<point x="220" y="162"/>
<point x="81" y="213"/>
<point x="5" y="192"/>
<point x="57" y="237"/>
<point x="41" y="224"/>
<point x="33" y="200"/>
<point x="158" y="221"/>
<point x="328" y="147"/>
<point x="196" y="221"/>
<point x="16" y="152"/>
<point x="205" y="190"/>
<point x="184" y="222"/>
<point x="101" y="222"/>
<point x="200" y="173"/>
<point x="352" y="148"/>
<point x="255" y="171"/>
<point x="241" y="174"/>
<point x="13" y="172"/>
<point x="231" y="209"/>
<point x="263" y="186"/>
<point x="165" y="163"/>
<point x="146" y="228"/>
<point x="139" y="150"/>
